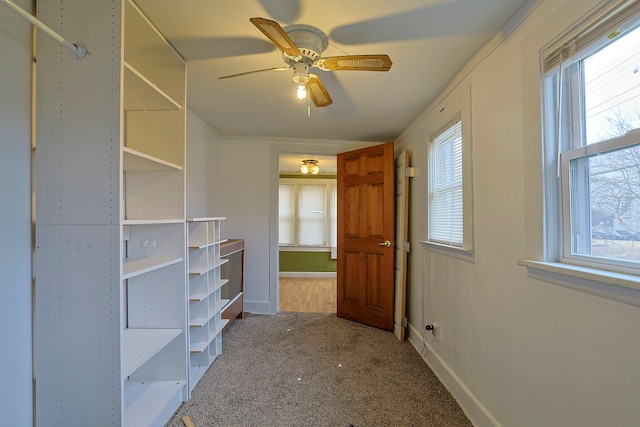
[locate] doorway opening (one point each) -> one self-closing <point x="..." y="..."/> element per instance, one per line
<point x="307" y="222"/>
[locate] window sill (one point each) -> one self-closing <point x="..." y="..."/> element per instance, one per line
<point x="615" y="286"/>
<point x="460" y="253"/>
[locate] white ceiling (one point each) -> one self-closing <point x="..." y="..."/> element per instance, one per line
<point x="429" y="41"/>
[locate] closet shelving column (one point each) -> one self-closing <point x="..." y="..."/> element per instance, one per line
<point x="205" y="302"/>
<point x="154" y="334"/>
<point x="110" y="344"/>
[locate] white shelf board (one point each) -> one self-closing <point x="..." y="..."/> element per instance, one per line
<point x="200" y="322"/>
<point x="220" y="283"/>
<point x="206" y="270"/>
<point x="145" y="43"/>
<point x="134" y="160"/>
<point x="198" y="297"/>
<point x="152" y="221"/>
<point x="150" y="402"/>
<point x="132" y="267"/>
<point x="141" y="94"/>
<point x="199" y="245"/>
<point x="141" y="345"/>
<point x="219" y="328"/>
<point x="204" y="295"/>
<point x="206" y="245"/>
<point x="203" y="219"/>
<point x="198" y="347"/>
<point x="220" y="305"/>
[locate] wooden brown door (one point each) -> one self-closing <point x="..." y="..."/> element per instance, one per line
<point x="366" y="243"/>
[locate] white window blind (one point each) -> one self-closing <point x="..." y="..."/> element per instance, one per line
<point x="312" y="207"/>
<point x="307" y="212"/>
<point x="594" y="35"/>
<point x="287" y="214"/>
<point x="445" y="223"/>
<point x="333" y="235"/>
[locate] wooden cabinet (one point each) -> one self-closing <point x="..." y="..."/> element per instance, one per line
<point x="233" y="291"/>
<point x="205" y="300"/>
<point x="111" y="273"/>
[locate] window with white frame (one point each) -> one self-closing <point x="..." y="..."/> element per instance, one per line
<point x="592" y="143"/>
<point x="307" y="212"/>
<point x="449" y="189"/>
<point x="445" y="186"/>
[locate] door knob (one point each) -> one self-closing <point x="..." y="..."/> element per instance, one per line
<point x="386" y="243"/>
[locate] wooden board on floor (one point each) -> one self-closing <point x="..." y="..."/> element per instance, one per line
<point x="308" y="294"/>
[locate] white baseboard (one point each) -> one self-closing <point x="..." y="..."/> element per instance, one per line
<point x="257" y="307"/>
<point x="308" y="274"/>
<point x="473" y="409"/>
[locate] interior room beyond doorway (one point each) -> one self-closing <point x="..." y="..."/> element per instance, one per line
<point x="307" y="229"/>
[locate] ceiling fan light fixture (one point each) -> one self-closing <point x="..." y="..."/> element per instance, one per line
<point x="301" y="47"/>
<point x="301" y="92"/>
<point x="300" y="78"/>
<point x="300" y="72"/>
<point x="309" y="166"/>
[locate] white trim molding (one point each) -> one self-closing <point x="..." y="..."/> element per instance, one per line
<point x="308" y="274"/>
<point x="619" y="287"/>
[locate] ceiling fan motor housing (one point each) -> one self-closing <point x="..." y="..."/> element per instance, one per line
<point x="310" y="41"/>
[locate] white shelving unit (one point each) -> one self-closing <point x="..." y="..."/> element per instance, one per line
<point x="205" y="303"/>
<point x="112" y="329"/>
<point x="155" y="369"/>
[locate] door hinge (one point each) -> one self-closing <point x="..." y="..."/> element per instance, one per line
<point x="406" y="246"/>
<point x="410" y="171"/>
<point x="404" y="322"/>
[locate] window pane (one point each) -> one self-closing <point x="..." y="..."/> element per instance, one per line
<point x="592" y="201"/>
<point x="445" y="187"/>
<point x="311" y="214"/>
<point x="612" y="89"/>
<point x="286" y="214"/>
<point x="605" y="204"/>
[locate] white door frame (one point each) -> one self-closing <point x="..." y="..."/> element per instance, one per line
<point x="323" y="148"/>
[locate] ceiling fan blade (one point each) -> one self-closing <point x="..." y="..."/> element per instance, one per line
<point x="355" y="62"/>
<point x="318" y="92"/>
<point x="254" y="71"/>
<point x="277" y="35"/>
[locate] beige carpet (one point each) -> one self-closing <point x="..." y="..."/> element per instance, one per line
<point x="305" y="369"/>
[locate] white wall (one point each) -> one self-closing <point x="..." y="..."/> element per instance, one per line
<point x="15" y="217"/>
<point x="203" y="185"/>
<point x="249" y="200"/>
<point x="515" y="351"/>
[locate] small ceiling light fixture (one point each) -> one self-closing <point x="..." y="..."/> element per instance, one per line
<point x="309" y="166"/>
<point x="300" y="78"/>
<point x="301" y="92"/>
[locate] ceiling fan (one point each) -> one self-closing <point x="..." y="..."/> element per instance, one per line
<point x="301" y="47"/>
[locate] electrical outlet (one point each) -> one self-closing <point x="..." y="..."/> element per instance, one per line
<point x="436" y="330"/>
<point x="148" y="243"/>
